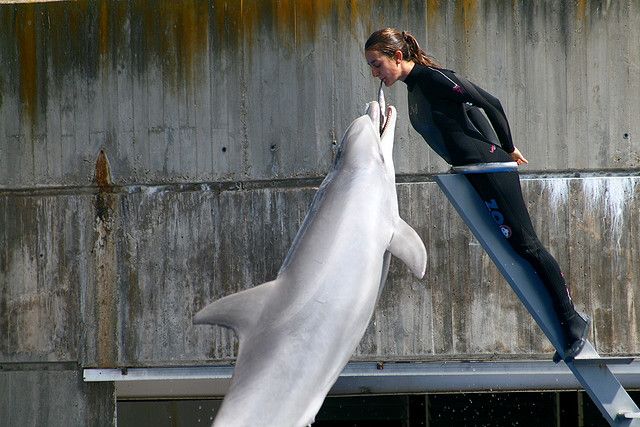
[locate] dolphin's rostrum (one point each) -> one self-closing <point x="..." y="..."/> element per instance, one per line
<point x="297" y="332"/>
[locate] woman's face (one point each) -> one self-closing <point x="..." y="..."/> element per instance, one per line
<point x="383" y="67"/>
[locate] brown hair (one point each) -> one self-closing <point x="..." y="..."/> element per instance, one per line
<point x="389" y="40"/>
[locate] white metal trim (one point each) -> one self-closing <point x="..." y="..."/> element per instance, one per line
<point x="366" y="378"/>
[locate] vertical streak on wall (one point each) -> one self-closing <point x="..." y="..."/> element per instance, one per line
<point x="26" y="36"/>
<point x="103" y="28"/>
<point x="244" y="46"/>
<point x="4" y="269"/>
<point x="466" y="16"/>
<point x="1" y="89"/>
<point x="189" y="38"/>
<point x="433" y="6"/>
<point x="106" y="304"/>
<point x="581" y="9"/>
<point x="470" y="12"/>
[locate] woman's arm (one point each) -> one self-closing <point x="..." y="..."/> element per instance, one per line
<point x="446" y="84"/>
<point x="494" y="111"/>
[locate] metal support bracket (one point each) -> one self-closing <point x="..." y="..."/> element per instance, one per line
<point x="589" y="368"/>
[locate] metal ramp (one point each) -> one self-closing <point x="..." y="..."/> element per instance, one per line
<point x="589" y="368"/>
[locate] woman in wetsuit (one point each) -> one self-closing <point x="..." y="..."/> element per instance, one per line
<point x="445" y="109"/>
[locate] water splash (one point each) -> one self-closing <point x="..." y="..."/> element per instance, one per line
<point x="152" y="190"/>
<point x="558" y="190"/>
<point x="606" y="198"/>
<point x="612" y="194"/>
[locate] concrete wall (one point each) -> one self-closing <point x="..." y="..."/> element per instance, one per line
<point x="198" y="91"/>
<point x="54" y="395"/>
<point x="154" y="157"/>
<point x="120" y="290"/>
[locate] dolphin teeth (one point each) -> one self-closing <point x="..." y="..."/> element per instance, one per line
<point x="383" y="123"/>
<point x="383" y="107"/>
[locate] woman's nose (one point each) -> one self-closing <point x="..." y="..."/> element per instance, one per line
<point x="374" y="73"/>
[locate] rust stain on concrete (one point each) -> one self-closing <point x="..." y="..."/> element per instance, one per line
<point x="298" y="20"/>
<point x="81" y="35"/>
<point x="433" y="11"/>
<point x="468" y="14"/>
<point x="581" y="9"/>
<point x="103" y="27"/>
<point x="188" y="23"/>
<point x="36" y="29"/>
<point x="64" y="24"/>
<point x="308" y="16"/>
<point x="192" y="27"/>
<point x="105" y="261"/>
<point x="103" y="172"/>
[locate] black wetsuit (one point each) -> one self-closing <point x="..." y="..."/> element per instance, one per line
<point x="444" y="109"/>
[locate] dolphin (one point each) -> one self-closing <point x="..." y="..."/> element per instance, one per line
<point x="297" y="332"/>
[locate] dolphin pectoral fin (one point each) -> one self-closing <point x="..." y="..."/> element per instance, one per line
<point x="407" y="245"/>
<point x="237" y="311"/>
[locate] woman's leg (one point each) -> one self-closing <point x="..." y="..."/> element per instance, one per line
<point x="503" y="196"/>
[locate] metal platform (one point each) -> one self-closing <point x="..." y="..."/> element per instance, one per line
<point x="590" y="369"/>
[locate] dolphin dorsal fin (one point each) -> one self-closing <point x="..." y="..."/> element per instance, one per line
<point x="239" y="311"/>
<point x="407" y="245"/>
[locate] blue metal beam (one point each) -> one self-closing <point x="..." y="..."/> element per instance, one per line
<point x="592" y="371"/>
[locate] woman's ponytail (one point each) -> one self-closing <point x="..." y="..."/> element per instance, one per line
<point x="416" y="54"/>
<point x="389" y="40"/>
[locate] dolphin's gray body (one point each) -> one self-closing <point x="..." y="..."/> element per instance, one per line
<point x="297" y="332"/>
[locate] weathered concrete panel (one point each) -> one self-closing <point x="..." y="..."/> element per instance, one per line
<point x="55" y="398"/>
<point x="177" y="93"/>
<point x="44" y="253"/>
<point x="118" y="285"/>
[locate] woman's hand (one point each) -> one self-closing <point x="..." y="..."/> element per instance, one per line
<point x="517" y="157"/>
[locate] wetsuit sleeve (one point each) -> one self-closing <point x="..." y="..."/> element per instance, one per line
<point x="494" y="111"/>
<point x="454" y="88"/>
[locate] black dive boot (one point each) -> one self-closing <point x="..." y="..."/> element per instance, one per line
<point x="575" y="326"/>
